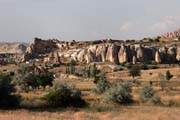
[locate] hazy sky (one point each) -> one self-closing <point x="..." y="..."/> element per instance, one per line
<point x="22" y="20"/>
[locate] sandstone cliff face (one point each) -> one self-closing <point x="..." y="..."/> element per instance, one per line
<point x="158" y="57"/>
<point x="140" y="54"/>
<point x="53" y="58"/>
<point x="112" y="53"/>
<point x="171" y="35"/>
<point x="100" y="52"/>
<point x="178" y="54"/>
<point x="123" y="55"/>
<point x="39" y="47"/>
<point x="11" y="52"/>
<point x="134" y="60"/>
<point x="81" y="55"/>
<point x="171" y="54"/>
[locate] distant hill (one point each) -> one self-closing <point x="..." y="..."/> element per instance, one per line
<point x="13" y="48"/>
<point x="171" y="35"/>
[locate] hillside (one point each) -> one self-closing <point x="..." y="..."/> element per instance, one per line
<point x="12" y="48"/>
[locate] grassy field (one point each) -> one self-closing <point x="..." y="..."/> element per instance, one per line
<point x="120" y="113"/>
<point x="170" y="98"/>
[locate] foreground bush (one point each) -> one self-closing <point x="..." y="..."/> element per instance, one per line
<point x="120" y="93"/>
<point x="101" y="84"/>
<point x="62" y="95"/>
<point x="147" y="95"/>
<point x="7" y="99"/>
<point x="31" y="76"/>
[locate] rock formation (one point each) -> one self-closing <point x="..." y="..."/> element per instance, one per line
<point x="88" y="52"/>
<point x="171" y="52"/>
<point x="171" y="35"/>
<point x="158" y="57"/>
<point x="112" y="53"/>
<point x="123" y="55"/>
<point x="140" y="54"/>
<point x="178" y="54"/>
<point x="134" y="60"/>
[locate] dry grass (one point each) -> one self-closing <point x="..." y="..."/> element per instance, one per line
<point x="123" y="113"/>
<point x="114" y="113"/>
<point x="146" y="75"/>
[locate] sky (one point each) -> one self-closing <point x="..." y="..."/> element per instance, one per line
<point x="23" y="20"/>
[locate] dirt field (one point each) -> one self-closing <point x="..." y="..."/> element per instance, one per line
<point x="122" y="113"/>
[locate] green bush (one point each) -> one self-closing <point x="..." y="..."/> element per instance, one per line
<point x="147" y="95"/>
<point x="56" y="65"/>
<point x="61" y="95"/>
<point x="144" y="67"/>
<point x="153" y="67"/>
<point x="101" y="84"/>
<point x="134" y="71"/>
<point x="7" y="99"/>
<point x="168" y="75"/>
<point x="44" y="79"/>
<point x="119" y="93"/>
<point x="28" y="76"/>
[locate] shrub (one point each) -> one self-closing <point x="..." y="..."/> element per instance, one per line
<point x="28" y="76"/>
<point x="144" y="67"/>
<point x="61" y="95"/>
<point x="168" y="75"/>
<point x="134" y="71"/>
<point x="56" y="65"/>
<point x="147" y="95"/>
<point x="120" y="93"/>
<point x="101" y="84"/>
<point x="86" y="72"/>
<point x="44" y="79"/>
<point x="7" y="99"/>
<point x="153" y="67"/>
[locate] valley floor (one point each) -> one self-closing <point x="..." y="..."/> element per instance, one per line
<point x="122" y="113"/>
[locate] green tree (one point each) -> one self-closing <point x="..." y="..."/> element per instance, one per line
<point x="27" y="76"/>
<point x="102" y="84"/>
<point x="62" y="95"/>
<point x="119" y="93"/>
<point x="168" y="75"/>
<point x="148" y="95"/>
<point x="94" y="71"/>
<point x="87" y="72"/>
<point x="134" y="71"/>
<point x="7" y="99"/>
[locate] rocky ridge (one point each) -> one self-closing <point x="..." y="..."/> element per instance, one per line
<point x="100" y="51"/>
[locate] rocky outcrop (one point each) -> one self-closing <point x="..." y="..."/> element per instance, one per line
<point x="81" y="55"/>
<point x="158" y="57"/>
<point x="123" y="55"/>
<point x="53" y="58"/>
<point x="91" y="55"/>
<point x="178" y="54"/>
<point x="171" y="35"/>
<point x="134" y="60"/>
<point x="12" y="48"/>
<point x="101" y="53"/>
<point x="171" y="54"/>
<point x="88" y="52"/>
<point x="140" y="54"/>
<point x="11" y="52"/>
<point x="112" y="53"/>
<point x="39" y="47"/>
